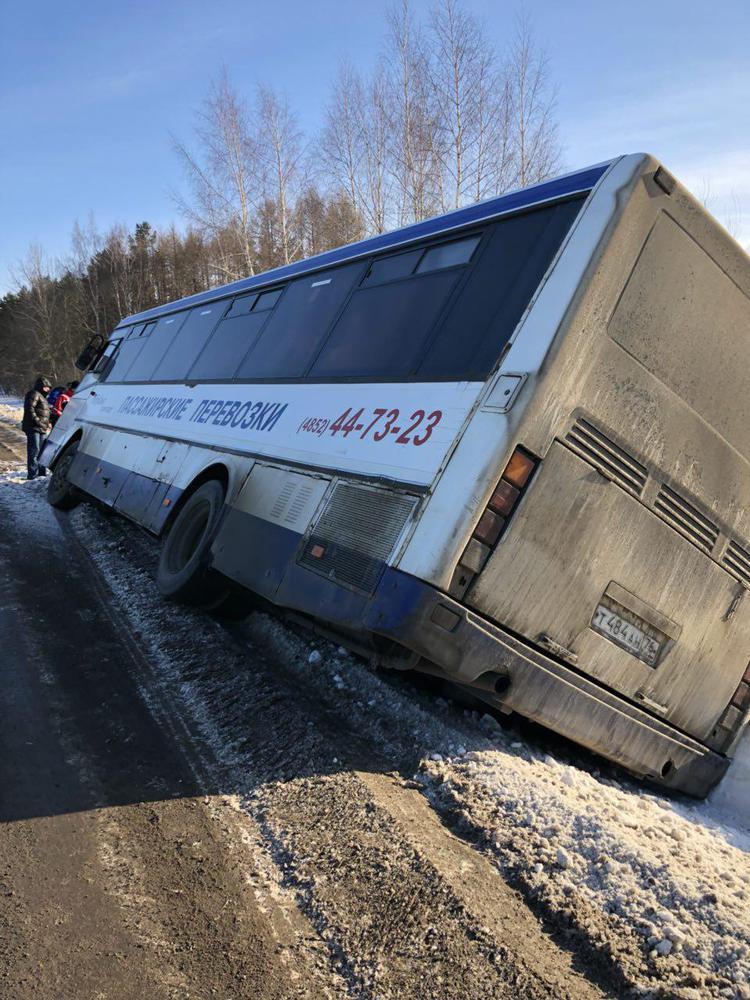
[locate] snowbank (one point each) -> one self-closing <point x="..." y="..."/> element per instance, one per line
<point x="626" y="863"/>
<point x="11" y="410"/>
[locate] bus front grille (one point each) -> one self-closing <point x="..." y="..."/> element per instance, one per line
<point x="685" y="518"/>
<point x="355" y="534"/>
<point x="737" y="562"/>
<point x="607" y="457"/>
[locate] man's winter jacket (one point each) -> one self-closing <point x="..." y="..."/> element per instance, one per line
<point x="36" y="410"/>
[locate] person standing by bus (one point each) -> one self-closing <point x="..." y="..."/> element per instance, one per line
<point x="61" y="401"/>
<point x="54" y="394"/>
<point x="36" y="424"/>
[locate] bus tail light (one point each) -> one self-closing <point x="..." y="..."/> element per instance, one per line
<point x="519" y="468"/>
<point x="494" y="519"/>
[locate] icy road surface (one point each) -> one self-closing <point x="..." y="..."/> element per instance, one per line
<point x="406" y="847"/>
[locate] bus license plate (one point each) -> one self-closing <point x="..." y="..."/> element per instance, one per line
<point x="628" y="635"/>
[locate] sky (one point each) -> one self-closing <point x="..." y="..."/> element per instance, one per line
<point x="92" y="94"/>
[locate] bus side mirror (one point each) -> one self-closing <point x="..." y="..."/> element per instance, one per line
<point x="90" y="353"/>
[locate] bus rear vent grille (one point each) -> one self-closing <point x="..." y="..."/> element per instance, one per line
<point x="611" y="460"/>
<point x="685" y="518"/>
<point x="737" y="562"/>
<point x="355" y="534"/>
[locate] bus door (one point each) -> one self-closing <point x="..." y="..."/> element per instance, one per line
<point x="154" y="466"/>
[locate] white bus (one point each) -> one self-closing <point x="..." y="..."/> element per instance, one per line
<point x="507" y="446"/>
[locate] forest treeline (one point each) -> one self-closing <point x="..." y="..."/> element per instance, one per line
<point x="446" y="117"/>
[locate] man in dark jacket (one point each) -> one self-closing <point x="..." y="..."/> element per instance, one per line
<point x="36" y="424"/>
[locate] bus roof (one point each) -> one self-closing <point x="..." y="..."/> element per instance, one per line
<point x="557" y="187"/>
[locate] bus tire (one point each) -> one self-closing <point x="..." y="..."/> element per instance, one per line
<point x="184" y="573"/>
<point x="61" y="493"/>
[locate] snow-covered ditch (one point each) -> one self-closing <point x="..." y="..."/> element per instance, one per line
<point x="659" y="884"/>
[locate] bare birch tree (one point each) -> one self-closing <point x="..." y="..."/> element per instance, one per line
<point x="413" y="117"/>
<point x="468" y="97"/>
<point x="278" y="140"/>
<point x="356" y="144"/>
<point x="342" y="145"/>
<point x="536" y="148"/>
<point x="222" y="175"/>
<point x="40" y="309"/>
<point x="85" y="244"/>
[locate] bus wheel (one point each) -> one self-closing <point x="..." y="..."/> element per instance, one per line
<point x="184" y="573"/>
<point x="61" y="493"/>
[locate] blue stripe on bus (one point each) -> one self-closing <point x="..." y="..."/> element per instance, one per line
<point x="144" y="500"/>
<point x="558" y="187"/>
<point x="254" y="552"/>
<point x="261" y="556"/>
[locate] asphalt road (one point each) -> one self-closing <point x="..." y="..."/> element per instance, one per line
<point x="291" y="857"/>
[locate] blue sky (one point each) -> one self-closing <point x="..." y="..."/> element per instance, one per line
<point x="90" y="93"/>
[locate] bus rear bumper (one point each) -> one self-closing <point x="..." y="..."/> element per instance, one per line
<point x="473" y="651"/>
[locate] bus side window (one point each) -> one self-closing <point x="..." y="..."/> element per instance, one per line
<point x="499" y="288"/>
<point x="188" y="343"/>
<point x="383" y="330"/>
<point x="399" y="265"/>
<point x="299" y="323"/>
<point x="235" y="335"/>
<point x="448" y="255"/>
<point x="156" y="344"/>
<point x="228" y="345"/>
<point x="130" y="348"/>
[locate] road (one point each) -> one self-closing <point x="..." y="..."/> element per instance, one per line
<point x="285" y="853"/>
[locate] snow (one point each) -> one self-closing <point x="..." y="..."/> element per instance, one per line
<point x="11" y="410"/>
<point x="632" y="863"/>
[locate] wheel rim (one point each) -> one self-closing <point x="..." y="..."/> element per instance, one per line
<point x="187" y="536"/>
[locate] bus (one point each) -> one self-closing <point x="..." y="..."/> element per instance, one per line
<point x="507" y="446"/>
